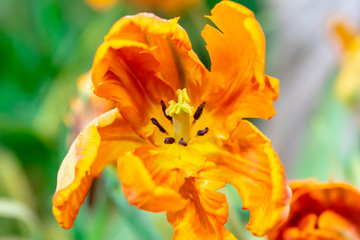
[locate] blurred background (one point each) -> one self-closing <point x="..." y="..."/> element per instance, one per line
<point x="313" y="48"/>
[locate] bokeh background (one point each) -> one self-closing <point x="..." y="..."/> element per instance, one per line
<point x="46" y="45"/>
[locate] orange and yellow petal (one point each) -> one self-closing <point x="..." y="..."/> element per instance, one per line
<point x="330" y="220"/>
<point x="98" y="144"/>
<point x="205" y="214"/>
<point x="143" y="60"/>
<point x="155" y="193"/>
<point x="251" y="165"/>
<point x="160" y="171"/>
<point x="238" y="84"/>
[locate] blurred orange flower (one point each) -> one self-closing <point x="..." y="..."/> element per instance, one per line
<point x="85" y="106"/>
<point x="170" y="7"/>
<point x="347" y="87"/>
<point x="173" y="155"/>
<point x="101" y="4"/>
<point x="321" y="211"/>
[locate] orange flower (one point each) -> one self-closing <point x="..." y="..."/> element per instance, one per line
<point x="101" y="4"/>
<point x="172" y="155"/>
<point x="321" y="211"/>
<point x="166" y="6"/>
<point x="170" y="7"/>
<point x="85" y="106"/>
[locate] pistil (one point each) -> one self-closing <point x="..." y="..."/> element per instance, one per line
<point x="181" y="124"/>
<point x="181" y="112"/>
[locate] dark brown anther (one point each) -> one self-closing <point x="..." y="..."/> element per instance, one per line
<point x="199" y="111"/>
<point x="169" y="140"/>
<point x="156" y="123"/>
<point x="182" y="142"/>
<point x="163" y="106"/>
<point x="203" y="132"/>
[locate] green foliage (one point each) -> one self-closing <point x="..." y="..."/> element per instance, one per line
<point x="330" y="144"/>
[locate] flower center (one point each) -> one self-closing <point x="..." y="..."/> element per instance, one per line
<point x="181" y="112"/>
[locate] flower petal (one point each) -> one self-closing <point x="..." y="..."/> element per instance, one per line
<point x="237" y="82"/>
<point x="99" y="143"/>
<point x="150" y="180"/>
<point x="326" y="195"/>
<point x="333" y="221"/>
<point x="205" y="214"/>
<point x="144" y="60"/>
<point x="253" y="168"/>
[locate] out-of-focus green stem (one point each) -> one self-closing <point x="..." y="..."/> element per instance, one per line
<point x="142" y="226"/>
<point x="10" y="208"/>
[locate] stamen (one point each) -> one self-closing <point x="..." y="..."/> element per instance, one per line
<point x="156" y="123"/>
<point x="199" y="111"/>
<point x="203" y="132"/>
<point x="182" y="142"/>
<point x="163" y="106"/>
<point x="169" y="140"/>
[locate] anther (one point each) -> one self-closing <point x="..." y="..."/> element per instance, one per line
<point x="182" y="142"/>
<point x="163" y="106"/>
<point x="199" y="111"/>
<point x="169" y="140"/>
<point x="203" y="132"/>
<point x="156" y="123"/>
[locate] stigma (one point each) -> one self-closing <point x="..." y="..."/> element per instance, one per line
<point x="181" y="112"/>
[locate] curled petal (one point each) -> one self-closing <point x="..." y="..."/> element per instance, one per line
<point x="148" y="183"/>
<point x="98" y="144"/>
<point x="143" y="60"/>
<point x="205" y="214"/>
<point x="238" y="84"/>
<point x="253" y="168"/>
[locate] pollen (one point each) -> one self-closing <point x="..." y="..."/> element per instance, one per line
<point x="182" y="142"/>
<point x="163" y="106"/>
<point x="199" y="111"/>
<point x="156" y="123"/>
<point x="203" y="132"/>
<point x="169" y="140"/>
